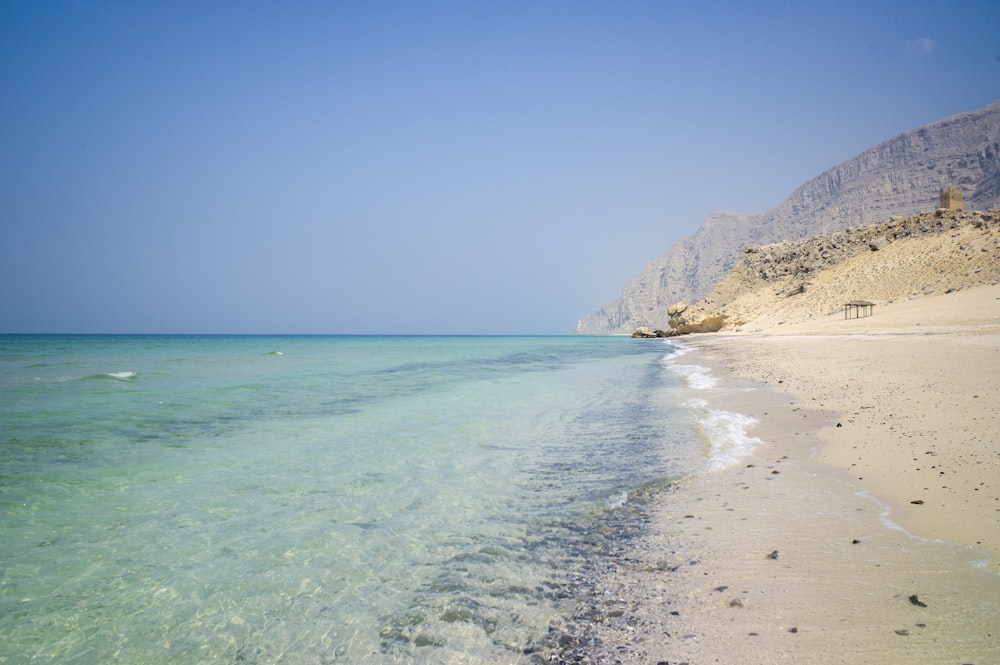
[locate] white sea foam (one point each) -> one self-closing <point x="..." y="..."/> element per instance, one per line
<point x="697" y="377"/>
<point x="117" y="376"/>
<point x="616" y="500"/>
<point x="678" y="351"/>
<point x="727" y="434"/>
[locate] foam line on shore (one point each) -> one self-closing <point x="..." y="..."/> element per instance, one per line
<point x="697" y="377"/>
<point x="805" y="550"/>
<point x="727" y="431"/>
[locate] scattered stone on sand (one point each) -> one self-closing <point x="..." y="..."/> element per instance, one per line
<point x="773" y="555"/>
<point x="916" y="601"/>
<point x="917" y="502"/>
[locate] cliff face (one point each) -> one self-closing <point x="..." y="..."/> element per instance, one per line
<point x="899" y="177"/>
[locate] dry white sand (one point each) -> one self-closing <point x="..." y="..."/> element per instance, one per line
<point x="917" y="390"/>
<point x="811" y="550"/>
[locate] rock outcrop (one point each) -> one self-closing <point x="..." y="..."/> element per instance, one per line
<point x="902" y="257"/>
<point x="901" y="176"/>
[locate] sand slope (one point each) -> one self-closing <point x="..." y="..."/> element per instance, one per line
<point x="931" y="254"/>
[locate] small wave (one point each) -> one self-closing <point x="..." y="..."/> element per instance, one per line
<point x="698" y="377"/>
<point x="727" y="433"/>
<point x="616" y="500"/>
<point x="274" y="353"/>
<point x="117" y="376"/>
<point x="677" y="351"/>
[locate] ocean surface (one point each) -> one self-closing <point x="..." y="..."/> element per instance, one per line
<point x="258" y="499"/>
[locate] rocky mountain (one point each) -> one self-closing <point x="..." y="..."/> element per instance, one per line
<point x="900" y="258"/>
<point x="902" y="176"/>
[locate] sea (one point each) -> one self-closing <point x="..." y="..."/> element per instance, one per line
<point x="327" y="499"/>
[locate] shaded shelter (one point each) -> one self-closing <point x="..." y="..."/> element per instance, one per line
<point x="858" y="308"/>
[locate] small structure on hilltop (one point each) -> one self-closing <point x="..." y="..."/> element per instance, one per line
<point x="951" y="198"/>
<point x="858" y="308"/>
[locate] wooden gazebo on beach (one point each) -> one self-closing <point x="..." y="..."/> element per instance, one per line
<point x="858" y="308"/>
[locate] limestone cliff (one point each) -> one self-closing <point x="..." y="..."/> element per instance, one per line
<point x="901" y="176"/>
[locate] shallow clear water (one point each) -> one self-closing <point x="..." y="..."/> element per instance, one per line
<point x="317" y="499"/>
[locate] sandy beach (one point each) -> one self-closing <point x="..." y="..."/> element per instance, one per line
<point x="865" y="526"/>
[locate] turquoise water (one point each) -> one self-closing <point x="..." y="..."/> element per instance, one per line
<point x="318" y="499"/>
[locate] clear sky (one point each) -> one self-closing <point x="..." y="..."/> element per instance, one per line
<point x="425" y="167"/>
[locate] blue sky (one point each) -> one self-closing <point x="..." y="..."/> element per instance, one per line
<point x="425" y="167"/>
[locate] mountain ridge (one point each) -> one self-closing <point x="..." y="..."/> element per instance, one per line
<point x="900" y="176"/>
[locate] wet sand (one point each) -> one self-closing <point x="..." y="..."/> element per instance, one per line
<point x="867" y="542"/>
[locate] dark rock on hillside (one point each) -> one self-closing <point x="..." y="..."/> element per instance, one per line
<point x="944" y="250"/>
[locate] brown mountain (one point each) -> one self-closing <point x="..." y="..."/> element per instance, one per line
<point x="902" y="258"/>
<point x="902" y="176"/>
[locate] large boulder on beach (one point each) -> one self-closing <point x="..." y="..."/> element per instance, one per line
<point x="709" y="324"/>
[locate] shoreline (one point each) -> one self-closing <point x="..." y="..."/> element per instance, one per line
<point x="922" y="440"/>
<point x="808" y="550"/>
<point x="913" y="392"/>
